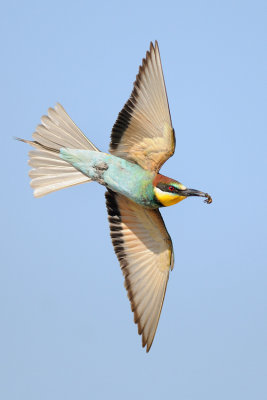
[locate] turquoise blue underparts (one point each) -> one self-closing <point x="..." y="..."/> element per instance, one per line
<point x="115" y="173"/>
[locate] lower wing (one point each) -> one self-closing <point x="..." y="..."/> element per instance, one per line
<point x="144" y="250"/>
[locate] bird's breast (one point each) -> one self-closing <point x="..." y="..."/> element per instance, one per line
<point x="131" y="181"/>
<point x="115" y="173"/>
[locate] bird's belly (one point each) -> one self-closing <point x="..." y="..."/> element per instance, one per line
<point x="131" y="181"/>
<point x="115" y="173"/>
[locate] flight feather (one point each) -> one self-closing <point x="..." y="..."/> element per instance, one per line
<point x="144" y="250"/>
<point x="143" y="131"/>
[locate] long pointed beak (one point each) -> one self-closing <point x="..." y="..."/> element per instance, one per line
<point x="193" y="192"/>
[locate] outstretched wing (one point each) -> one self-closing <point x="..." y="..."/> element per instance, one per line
<point x="144" y="250"/>
<point x="143" y="132"/>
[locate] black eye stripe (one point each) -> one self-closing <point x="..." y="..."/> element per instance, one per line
<point x="165" y="188"/>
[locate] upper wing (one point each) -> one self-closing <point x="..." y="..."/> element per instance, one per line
<point x="144" y="250"/>
<point x="143" y="132"/>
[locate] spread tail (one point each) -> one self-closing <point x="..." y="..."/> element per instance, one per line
<point x="50" y="172"/>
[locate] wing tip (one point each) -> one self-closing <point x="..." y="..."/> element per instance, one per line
<point x="59" y="107"/>
<point x="147" y="344"/>
<point x="154" y="45"/>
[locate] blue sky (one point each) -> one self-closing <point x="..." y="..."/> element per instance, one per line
<point x="66" y="326"/>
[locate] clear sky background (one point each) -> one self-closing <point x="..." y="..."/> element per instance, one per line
<point x="67" y="331"/>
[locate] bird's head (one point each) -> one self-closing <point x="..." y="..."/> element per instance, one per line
<point x="169" y="191"/>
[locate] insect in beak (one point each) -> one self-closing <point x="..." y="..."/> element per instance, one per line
<point x="193" y="192"/>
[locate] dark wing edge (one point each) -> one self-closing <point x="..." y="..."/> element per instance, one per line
<point x="125" y="115"/>
<point x="116" y="233"/>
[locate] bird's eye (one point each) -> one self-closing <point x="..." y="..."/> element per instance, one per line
<point x="171" y="188"/>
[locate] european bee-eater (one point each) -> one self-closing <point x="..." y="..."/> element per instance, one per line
<point x="142" y="139"/>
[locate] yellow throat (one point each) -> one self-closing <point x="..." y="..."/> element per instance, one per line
<point x="167" y="199"/>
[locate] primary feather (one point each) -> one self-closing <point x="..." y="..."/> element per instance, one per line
<point x="143" y="132"/>
<point x="144" y="250"/>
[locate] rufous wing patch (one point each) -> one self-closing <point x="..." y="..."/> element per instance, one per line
<point x="143" y="132"/>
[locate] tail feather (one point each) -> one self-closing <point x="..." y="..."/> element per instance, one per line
<point x="42" y="158"/>
<point x="49" y="170"/>
<point x="48" y="186"/>
<point x="50" y="173"/>
<point x="59" y="179"/>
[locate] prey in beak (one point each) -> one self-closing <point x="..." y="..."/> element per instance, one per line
<point x="193" y="192"/>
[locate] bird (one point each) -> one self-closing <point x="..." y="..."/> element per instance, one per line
<point x="142" y="140"/>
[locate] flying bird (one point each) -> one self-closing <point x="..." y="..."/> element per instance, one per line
<point x="142" y="139"/>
